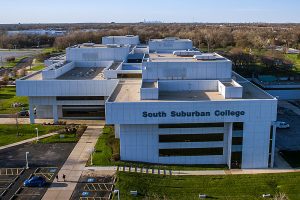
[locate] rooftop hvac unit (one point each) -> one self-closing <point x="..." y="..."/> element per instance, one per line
<point x="205" y="57"/>
<point x="186" y="53"/>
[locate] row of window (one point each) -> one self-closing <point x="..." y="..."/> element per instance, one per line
<point x="191" y="125"/>
<point x="191" y="137"/>
<point x="79" y="98"/>
<point x="191" y="152"/>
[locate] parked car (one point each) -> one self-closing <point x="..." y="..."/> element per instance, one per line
<point x="282" y="125"/>
<point x="35" y="181"/>
<point x="24" y="113"/>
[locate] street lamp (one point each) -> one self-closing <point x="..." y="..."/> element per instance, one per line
<point x="117" y="191"/>
<point x="27" y="165"/>
<point x="37" y="134"/>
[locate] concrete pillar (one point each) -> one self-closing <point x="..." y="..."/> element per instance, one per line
<point x="31" y="113"/>
<point x="273" y="144"/>
<point x="229" y="145"/>
<point x="55" y="113"/>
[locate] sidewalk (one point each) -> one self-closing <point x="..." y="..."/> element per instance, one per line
<point x="191" y="172"/>
<point x="41" y="121"/>
<point x="74" y="165"/>
<point x="26" y="141"/>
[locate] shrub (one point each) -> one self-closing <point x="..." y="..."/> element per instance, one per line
<point x="11" y="59"/>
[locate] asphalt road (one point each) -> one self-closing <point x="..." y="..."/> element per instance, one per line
<point x="288" y="139"/>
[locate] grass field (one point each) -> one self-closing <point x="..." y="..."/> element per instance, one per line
<point x="61" y="138"/>
<point x="227" y="187"/>
<point x="37" y="67"/>
<point x="8" y="133"/>
<point x="14" y="63"/>
<point x="107" y="152"/>
<point x="295" y="59"/>
<point x="8" y="97"/>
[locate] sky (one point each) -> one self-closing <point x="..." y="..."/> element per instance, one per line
<point x="122" y="11"/>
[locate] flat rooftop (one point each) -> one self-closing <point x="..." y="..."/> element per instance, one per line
<point x="168" y="57"/>
<point x="129" y="91"/>
<point x="83" y="73"/>
<point x="92" y="45"/>
<point x="36" y="76"/>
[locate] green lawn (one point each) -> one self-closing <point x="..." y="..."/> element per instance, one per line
<point x="8" y="133"/>
<point x="227" y="187"/>
<point x="8" y="97"/>
<point x="61" y="138"/>
<point x="64" y="137"/>
<point x="107" y="152"/>
<point x="295" y="59"/>
<point x="14" y="63"/>
<point x="37" y="67"/>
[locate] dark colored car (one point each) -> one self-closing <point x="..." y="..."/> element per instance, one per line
<point x="35" y="181"/>
<point x="24" y="113"/>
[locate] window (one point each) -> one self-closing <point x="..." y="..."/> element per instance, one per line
<point x="238" y="126"/>
<point x="129" y="75"/>
<point x="237" y="141"/>
<point x="191" y="137"/>
<point x="191" y="152"/>
<point x="236" y="160"/>
<point x="191" y="125"/>
<point x="84" y="111"/>
<point x="81" y="98"/>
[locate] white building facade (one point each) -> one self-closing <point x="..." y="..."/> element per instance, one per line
<point x="169" y="104"/>
<point x="190" y="110"/>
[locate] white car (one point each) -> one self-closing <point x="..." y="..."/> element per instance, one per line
<point x="282" y="125"/>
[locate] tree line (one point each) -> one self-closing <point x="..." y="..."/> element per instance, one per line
<point x="204" y="36"/>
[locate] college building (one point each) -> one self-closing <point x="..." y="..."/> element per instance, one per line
<point x="169" y="102"/>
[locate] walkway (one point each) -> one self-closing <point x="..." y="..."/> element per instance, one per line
<point x="189" y="172"/>
<point x="41" y="121"/>
<point x="26" y="141"/>
<point x="74" y="165"/>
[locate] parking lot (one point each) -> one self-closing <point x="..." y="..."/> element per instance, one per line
<point x="36" y="192"/>
<point x="44" y="160"/>
<point x="288" y="139"/>
<point x="8" y="176"/>
<point x="94" y="187"/>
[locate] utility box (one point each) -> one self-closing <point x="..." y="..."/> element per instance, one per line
<point x="134" y="193"/>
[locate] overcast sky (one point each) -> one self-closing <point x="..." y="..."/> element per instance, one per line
<point x="57" y="11"/>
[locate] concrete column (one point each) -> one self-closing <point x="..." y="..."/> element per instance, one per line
<point x="55" y="113"/>
<point x="31" y="113"/>
<point x="273" y="144"/>
<point x="229" y="145"/>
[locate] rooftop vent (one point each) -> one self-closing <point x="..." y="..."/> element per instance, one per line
<point x="205" y="57"/>
<point x="129" y="35"/>
<point x="186" y="53"/>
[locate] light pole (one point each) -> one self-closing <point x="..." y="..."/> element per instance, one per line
<point x="37" y="134"/>
<point x="117" y="191"/>
<point x="27" y="165"/>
